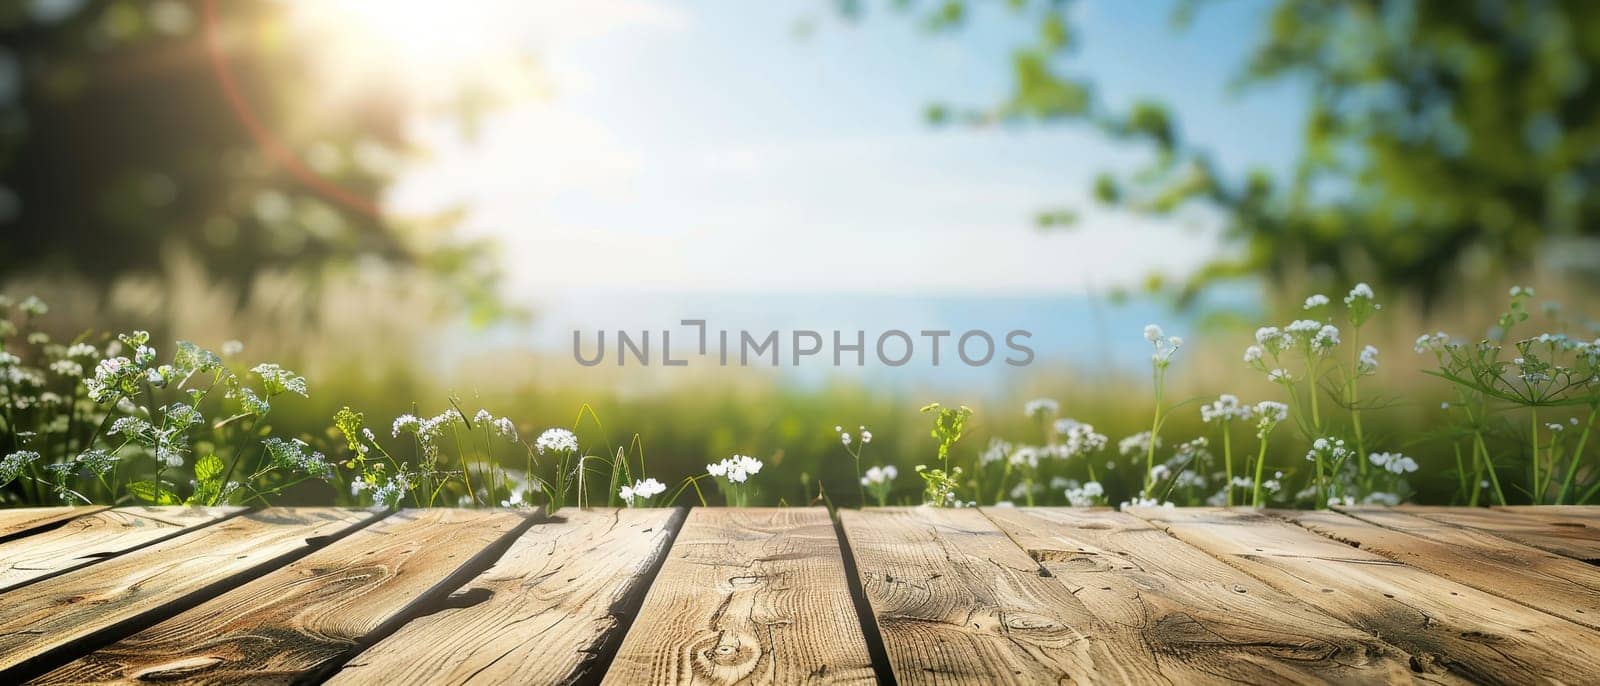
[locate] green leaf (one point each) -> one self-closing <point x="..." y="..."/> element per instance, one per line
<point x="208" y="469"/>
<point x="153" y="493"/>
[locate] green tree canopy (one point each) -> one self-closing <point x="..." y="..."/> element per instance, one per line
<point x="129" y="128"/>
<point x="1440" y="137"/>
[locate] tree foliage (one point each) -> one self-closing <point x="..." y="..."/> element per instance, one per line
<point x="1442" y="139"/>
<point x="129" y="129"/>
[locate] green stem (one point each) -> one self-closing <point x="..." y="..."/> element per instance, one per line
<point x="1227" y="458"/>
<point x="1155" y="426"/>
<point x="1577" y="456"/>
<point x="1533" y="442"/>
<point x="1261" y="463"/>
<point x="1494" y="479"/>
<point x="1322" y="487"/>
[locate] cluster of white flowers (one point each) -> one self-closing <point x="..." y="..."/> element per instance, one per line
<point x="113" y="376"/>
<point x="67" y="367"/>
<point x="1393" y="462"/>
<point x="1041" y="407"/>
<point x="1165" y="345"/>
<point x="643" y="490"/>
<point x="1381" y="498"/>
<point x="997" y="450"/>
<point x="1435" y="342"/>
<point x="14" y="464"/>
<point x="556" y="441"/>
<point x="295" y="455"/>
<point x="1087" y="495"/>
<point x="1137" y="444"/>
<point x="1078" y="439"/>
<point x="737" y="469"/>
<point x="1225" y="408"/>
<point x="428" y="430"/>
<point x="1522" y="291"/>
<point x="845" y="438"/>
<point x="1141" y="501"/>
<point x="1367" y="363"/>
<point x="1316" y="301"/>
<point x="501" y="426"/>
<point x="877" y="476"/>
<point x="1269" y="413"/>
<point x="1331" y="449"/>
<point x="1025" y="456"/>
<point x="1359" y="292"/>
<point x="276" y="380"/>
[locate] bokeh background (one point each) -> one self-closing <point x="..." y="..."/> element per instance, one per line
<point x="409" y="201"/>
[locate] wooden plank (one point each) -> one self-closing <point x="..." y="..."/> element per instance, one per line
<point x="748" y="596"/>
<point x="1562" y="515"/>
<point x="19" y="520"/>
<point x="1558" y="585"/>
<point x="1443" y="624"/>
<point x="542" y="612"/>
<point x="1588" y="513"/>
<point x="292" y="621"/>
<point x="956" y="601"/>
<point x="1204" y="621"/>
<point x="42" y="622"/>
<point x="1564" y="535"/>
<point x="92" y="538"/>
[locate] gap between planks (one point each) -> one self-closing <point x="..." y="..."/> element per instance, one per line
<point x="297" y="621"/>
<point x="54" y="620"/>
<point x="552" y="609"/>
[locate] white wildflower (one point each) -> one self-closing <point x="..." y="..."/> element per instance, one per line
<point x="1041" y="407"/>
<point x="556" y="441"/>
<point x="1393" y="462"/>
<point x="1368" y="361"/>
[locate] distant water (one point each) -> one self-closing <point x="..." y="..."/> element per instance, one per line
<point x="1081" y="331"/>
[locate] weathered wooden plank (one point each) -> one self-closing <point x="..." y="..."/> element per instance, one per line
<point x="541" y="613"/>
<point x="1203" y="621"/>
<point x="45" y="621"/>
<point x="956" y="601"/>
<point x="305" y="616"/>
<point x="1546" y="581"/>
<point x="1443" y="624"/>
<point x="94" y="537"/>
<point x="1564" y="535"/>
<point x="1588" y="513"/>
<point x="748" y="596"/>
<point x="19" y="520"/>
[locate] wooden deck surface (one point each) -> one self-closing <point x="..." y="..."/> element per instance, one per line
<point x="791" y="596"/>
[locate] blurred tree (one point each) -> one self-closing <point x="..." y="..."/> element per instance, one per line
<point x="129" y="128"/>
<point x="1443" y="139"/>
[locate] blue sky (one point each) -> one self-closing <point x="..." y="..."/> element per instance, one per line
<point x="705" y="147"/>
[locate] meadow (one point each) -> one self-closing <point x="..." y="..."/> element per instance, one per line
<point x="1342" y="398"/>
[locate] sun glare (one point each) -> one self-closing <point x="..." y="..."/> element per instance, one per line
<point x="423" y="42"/>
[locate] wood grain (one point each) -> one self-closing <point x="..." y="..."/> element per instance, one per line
<point x="1561" y="534"/>
<point x="297" y="619"/>
<point x="1546" y="581"/>
<point x="1443" y="624"/>
<point x="52" y="615"/>
<point x="956" y="601"/>
<point x="1587" y="513"/>
<point x="1204" y="621"/>
<point x="94" y="537"/>
<point x="541" y="613"/>
<point x="20" y="520"/>
<point x="748" y="596"/>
